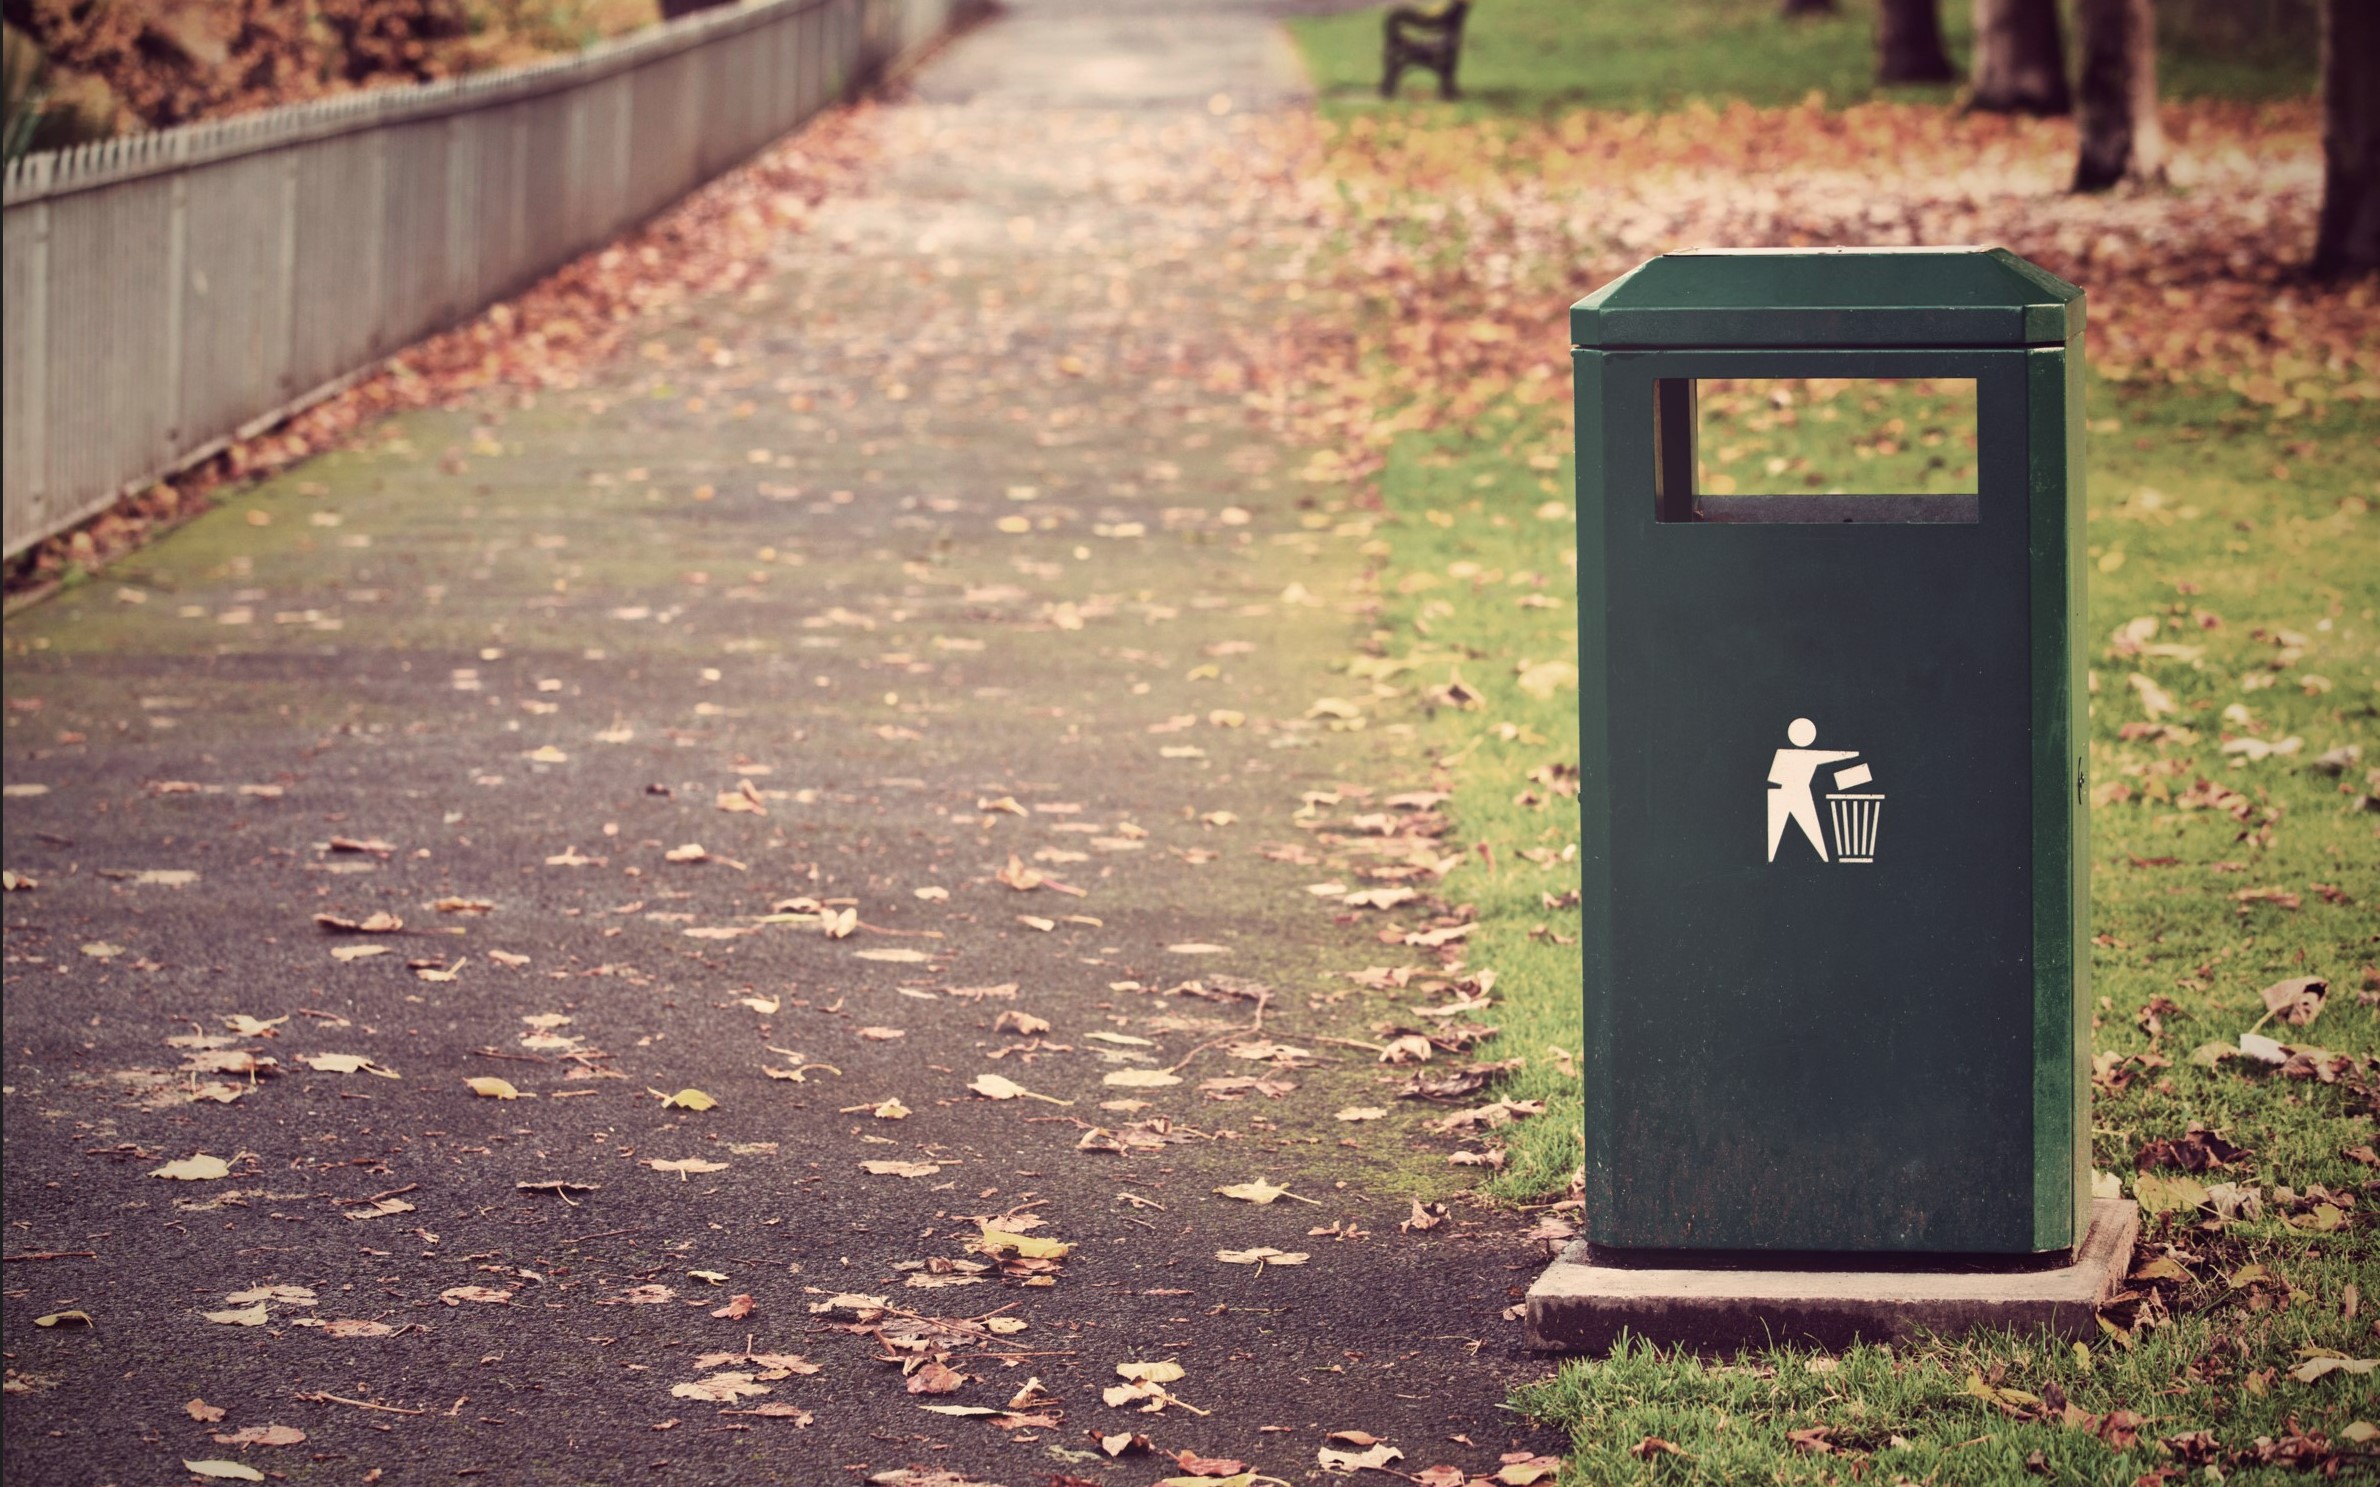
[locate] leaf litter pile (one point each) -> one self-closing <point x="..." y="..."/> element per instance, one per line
<point x="884" y="946"/>
<point x="1466" y="242"/>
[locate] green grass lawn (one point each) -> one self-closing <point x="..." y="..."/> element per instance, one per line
<point x="1531" y="55"/>
<point x="2234" y="644"/>
<point x="2238" y="558"/>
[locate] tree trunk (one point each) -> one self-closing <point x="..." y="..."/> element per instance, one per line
<point x="2121" y="139"/>
<point x="2020" y="61"/>
<point x="2347" y="237"/>
<point x="1798" y="8"/>
<point x="1909" y="43"/>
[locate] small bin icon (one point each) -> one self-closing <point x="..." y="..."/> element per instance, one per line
<point x="1855" y="819"/>
<point x="1830" y="533"/>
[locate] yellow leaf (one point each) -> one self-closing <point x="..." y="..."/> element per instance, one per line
<point x="685" y="1099"/>
<point x="1253" y="1192"/>
<point x="995" y="1087"/>
<point x="200" y="1168"/>
<point x="2159" y="1194"/>
<point x="490" y="1087"/>
<point x="1031" y="1246"/>
<point x="246" y="1316"/>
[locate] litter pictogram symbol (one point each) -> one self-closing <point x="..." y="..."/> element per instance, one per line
<point x="1792" y="798"/>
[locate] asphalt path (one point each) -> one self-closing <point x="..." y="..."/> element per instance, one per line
<point x="925" y="664"/>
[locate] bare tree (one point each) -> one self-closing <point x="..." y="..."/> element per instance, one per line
<point x="2121" y="139"/>
<point x="1909" y="43"/>
<point x="2347" y="236"/>
<point x="2020" y="58"/>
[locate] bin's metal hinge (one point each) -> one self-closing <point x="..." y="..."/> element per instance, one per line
<point x="2082" y="781"/>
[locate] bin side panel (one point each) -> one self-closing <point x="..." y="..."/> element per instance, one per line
<point x="2061" y="886"/>
<point x="1594" y="767"/>
<point x="1807" y="1053"/>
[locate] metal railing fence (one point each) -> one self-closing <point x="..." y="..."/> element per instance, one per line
<point x="165" y="293"/>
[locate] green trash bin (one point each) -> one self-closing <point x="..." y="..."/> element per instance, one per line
<point x="1833" y="756"/>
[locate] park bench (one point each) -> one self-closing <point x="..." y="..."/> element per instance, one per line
<point x="1414" y="37"/>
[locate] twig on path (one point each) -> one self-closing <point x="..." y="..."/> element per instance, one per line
<point x="518" y="1058"/>
<point x="1352" y="1043"/>
<point x="376" y="1197"/>
<point x="52" y="1254"/>
<point x="360" y="1404"/>
<point x="606" y="1234"/>
<point x="1255" y="1026"/>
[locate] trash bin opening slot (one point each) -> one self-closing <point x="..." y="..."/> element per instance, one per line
<point x="1815" y="450"/>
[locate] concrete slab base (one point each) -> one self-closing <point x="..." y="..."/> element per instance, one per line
<point x="1578" y="1306"/>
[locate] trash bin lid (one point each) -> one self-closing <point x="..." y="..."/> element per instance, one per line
<point x="1818" y="297"/>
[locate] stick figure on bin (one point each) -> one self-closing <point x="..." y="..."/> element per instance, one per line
<point x="1789" y="776"/>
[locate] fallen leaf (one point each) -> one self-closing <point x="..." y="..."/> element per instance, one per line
<point x="1379" y="1456"/>
<point x="2160" y="1194"/>
<point x="994" y="1087"/>
<point x="203" y="1412"/>
<point x="346" y="1063"/>
<point x="1259" y="1191"/>
<point x="2296" y="1001"/>
<point x="895" y="955"/>
<point x="457" y="1295"/>
<point x="1262" y="1255"/>
<point x="1141" y="1079"/>
<point x="1361" y="1112"/>
<point x="488" y="1086"/>
<point x="886" y="1168"/>
<point x="685" y="1165"/>
<point x="354" y="1327"/>
<point x="1031" y="1246"/>
<point x="380" y="923"/>
<point x="200" y="1168"/>
<point x="2326" y="1364"/>
<point x="246" y="1316"/>
<point x="231" y="1471"/>
<point x="65" y="1319"/>
<point x="263" y="1435"/>
<point x="685" y="1099"/>
<point x="1163" y="1371"/>
<point x="720" y="1388"/>
<point x="936" y="1377"/>
<point x="1195" y="1466"/>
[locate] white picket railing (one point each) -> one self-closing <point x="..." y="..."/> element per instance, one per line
<point x="165" y="293"/>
